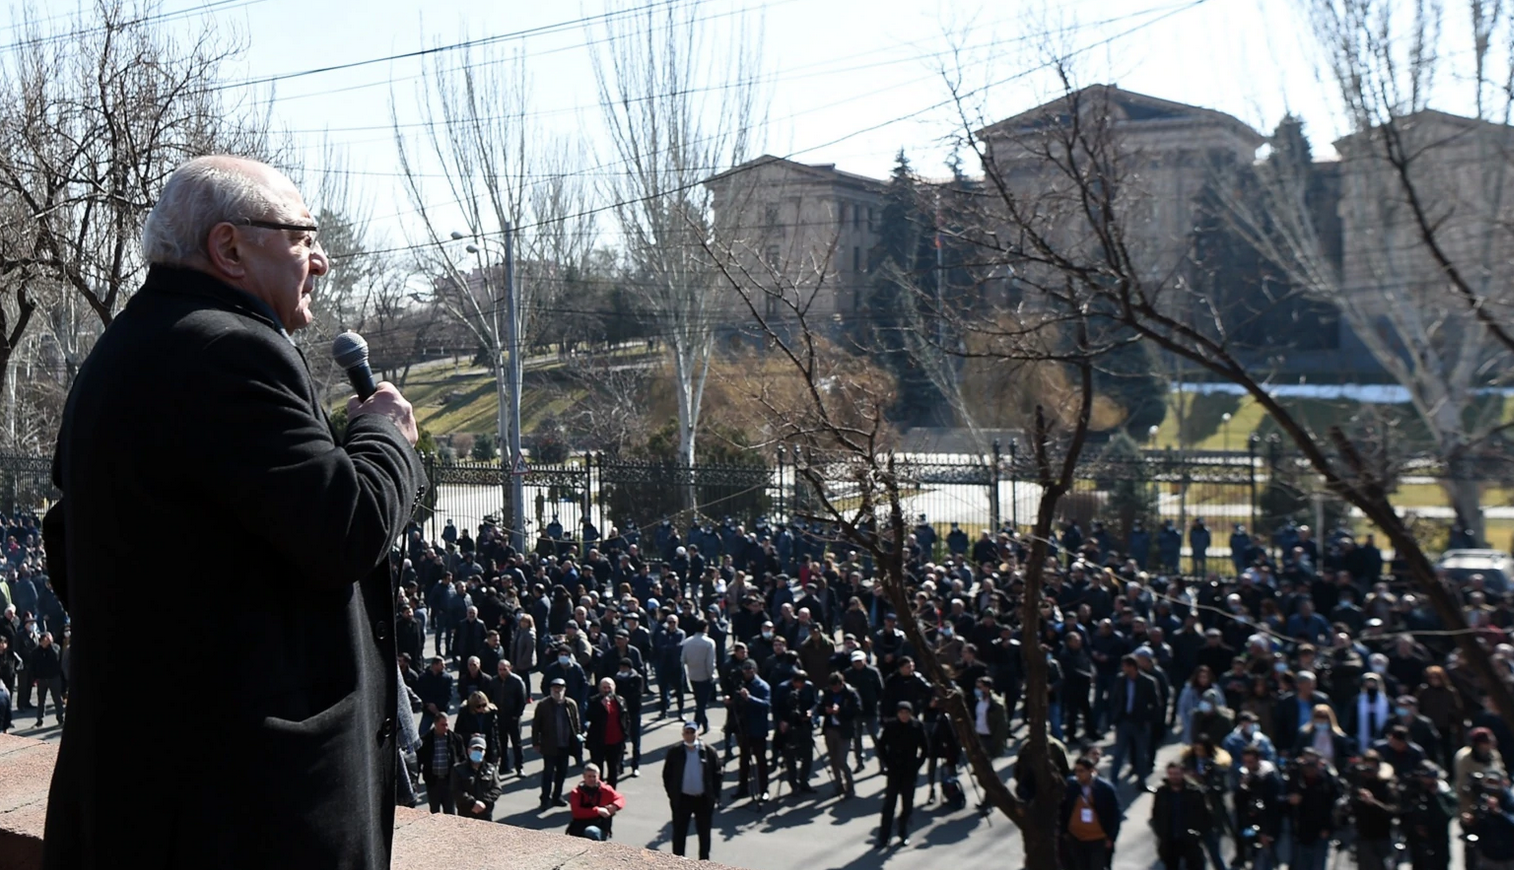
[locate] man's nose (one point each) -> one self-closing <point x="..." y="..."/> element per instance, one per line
<point x="320" y="263"/>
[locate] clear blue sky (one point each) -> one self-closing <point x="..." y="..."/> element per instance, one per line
<point x="841" y="70"/>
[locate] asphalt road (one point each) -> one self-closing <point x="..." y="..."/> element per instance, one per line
<point x="814" y="831"/>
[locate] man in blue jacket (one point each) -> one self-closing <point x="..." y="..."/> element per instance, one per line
<point x="748" y="708"/>
<point x="1090" y="817"/>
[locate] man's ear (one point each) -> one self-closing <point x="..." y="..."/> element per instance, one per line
<point x="224" y="248"/>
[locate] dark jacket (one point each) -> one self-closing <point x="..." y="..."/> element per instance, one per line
<point x="470" y="784"/>
<point x="544" y="734"/>
<point x="1147" y="705"/>
<point x="599" y="720"/>
<point x="457" y="753"/>
<point x="902" y="745"/>
<point x="218" y="432"/>
<point x="510" y="696"/>
<point x="1106" y="805"/>
<point x="672" y="771"/>
<point x="1194" y="818"/>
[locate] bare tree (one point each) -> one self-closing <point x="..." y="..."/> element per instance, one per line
<point x="847" y="458"/>
<point x="1074" y="223"/>
<point x="1426" y="207"/>
<point x="101" y="107"/>
<point x="479" y="174"/>
<point x="678" y="108"/>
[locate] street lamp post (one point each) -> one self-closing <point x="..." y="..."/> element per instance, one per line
<point x="509" y="400"/>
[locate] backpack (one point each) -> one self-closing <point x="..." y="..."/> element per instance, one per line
<point x="952" y="795"/>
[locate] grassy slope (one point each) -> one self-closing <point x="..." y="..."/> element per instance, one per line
<point x="449" y="401"/>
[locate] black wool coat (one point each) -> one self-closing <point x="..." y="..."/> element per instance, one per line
<point x="196" y="411"/>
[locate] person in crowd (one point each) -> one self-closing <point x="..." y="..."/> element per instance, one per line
<point x="509" y="695"/>
<point x="749" y="709"/>
<point x="593" y="804"/>
<point x="794" y="717"/>
<point x="1090" y="816"/>
<point x="1179" y="818"/>
<point x="609" y="726"/>
<point x="1134" y="707"/>
<point x="555" y="733"/>
<point x="1259" y="809"/>
<point x="1312" y="794"/>
<point x="475" y="783"/>
<point x="700" y="660"/>
<point x="630" y="685"/>
<point x="480" y="716"/>
<point x="440" y="751"/>
<point x="691" y="778"/>
<point x="903" y="744"/>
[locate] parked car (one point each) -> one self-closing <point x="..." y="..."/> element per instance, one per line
<point x="1495" y="567"/>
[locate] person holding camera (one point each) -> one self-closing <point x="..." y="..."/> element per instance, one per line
<point x="1426" y="807"/>
<point x="1374" y="804"/>
<point x="1179" y="817"/>
<point x="1312" y="794"/>
<point x="1258" y="810"/>
<point x="1489" y="825"/>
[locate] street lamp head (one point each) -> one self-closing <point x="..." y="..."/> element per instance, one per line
<point x="457" y="235"/>
<point x="472" y="249"/>
<point x="1225" y="417"/>
<point x="1153" y="431"/>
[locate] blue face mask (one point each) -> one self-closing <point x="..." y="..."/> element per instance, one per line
<point x="1400" y="711"/>
<point x="476" y="756"/>
<point x="564" y="660"/>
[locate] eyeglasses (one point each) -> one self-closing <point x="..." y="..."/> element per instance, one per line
<point x="310" y="230"/>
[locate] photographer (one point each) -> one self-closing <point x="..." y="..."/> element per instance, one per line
<point x="1312" y="793"/>
<point x="1374" y="803"/>
<point x="1208" y="767"/>
<point x="1426" y="807"/>
<point x="1258" y="811"/>
<point x="1490" y="823"/>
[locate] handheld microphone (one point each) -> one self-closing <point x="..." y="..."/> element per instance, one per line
<point x="350" y="352"/>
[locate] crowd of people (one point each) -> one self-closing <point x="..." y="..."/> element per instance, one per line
<point x="1315" y="701"/>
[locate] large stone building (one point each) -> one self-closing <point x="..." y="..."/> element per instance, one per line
<point x="799" y="229"/>
<point x="815" y="225"/>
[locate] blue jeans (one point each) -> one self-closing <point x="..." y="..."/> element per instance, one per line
<point x="1313" y="855"/>
<point x="1054" y="717"/>
<point x="1212" y="846"/>
<point x="1133" y="738"/>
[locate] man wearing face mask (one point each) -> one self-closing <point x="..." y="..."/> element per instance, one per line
<point x="748" y="708"/>
<point x="475" y="783"/>
<point x="1246" y="733"/>
<point x="691" y="778"/>
<point x="1368" y="714"/>
<point x="555" y="730"/>
<point x="566" y="668"/>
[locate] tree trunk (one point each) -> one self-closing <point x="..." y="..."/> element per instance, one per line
<point x="1464" y="494"/>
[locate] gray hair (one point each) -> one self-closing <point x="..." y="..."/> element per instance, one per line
<point x="198" y="195"/>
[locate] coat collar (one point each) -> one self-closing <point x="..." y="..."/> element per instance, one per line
<point x="183" y="281"/>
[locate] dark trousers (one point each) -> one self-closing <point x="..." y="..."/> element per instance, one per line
<point x="53" y="686"/>
<point x="610" y="758"/>
<point x="867" y="722"/>
<point x="1076" y="705"/>
<point x="1103" y="688"/>
<point x="753" y="755"/>
<point x="799" y="758"/>
<point x="439" y="793"/>
<point x="669" y="681"/>
<point x="509" y="736"/>
<point x="901" y="788"/>
<point x="701" y="809"/>
<point x="1087" y="854"/>
<point x="553" y="771"/>
<point x="703" y="692"/>
<point x="835" y="751"/>
<point x="1181" y="853"/>
<point x="635" y="739"/>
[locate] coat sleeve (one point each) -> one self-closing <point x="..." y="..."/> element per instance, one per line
<point x="333" y="510"/>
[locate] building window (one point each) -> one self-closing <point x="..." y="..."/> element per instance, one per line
<point x="856" y="259"/>
<point x="841" y="215"/>
<point x="856" y="217"/>
<point x="770" y="216"/>
<point x="771" y="256"/>
<point x="869" y="218"/>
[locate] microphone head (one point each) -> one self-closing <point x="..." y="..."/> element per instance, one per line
<point x="349" y="350"/>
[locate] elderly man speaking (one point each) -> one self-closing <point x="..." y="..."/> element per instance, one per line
<point x="196" y="413"/>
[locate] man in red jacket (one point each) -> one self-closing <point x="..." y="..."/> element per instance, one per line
<point x="594" y="805"/>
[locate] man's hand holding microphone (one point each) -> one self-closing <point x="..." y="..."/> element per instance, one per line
<point x="350" y="351"/>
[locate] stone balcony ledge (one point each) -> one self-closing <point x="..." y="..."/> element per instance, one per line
<point x="421" y="840"/>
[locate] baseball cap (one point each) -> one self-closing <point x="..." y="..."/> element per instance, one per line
<point x="749" y="665"/>
<point x="477" y="741"/>
<point x="690" y="726"/>
<point x="559" y="681"/>
<point x="859" y="656"/>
